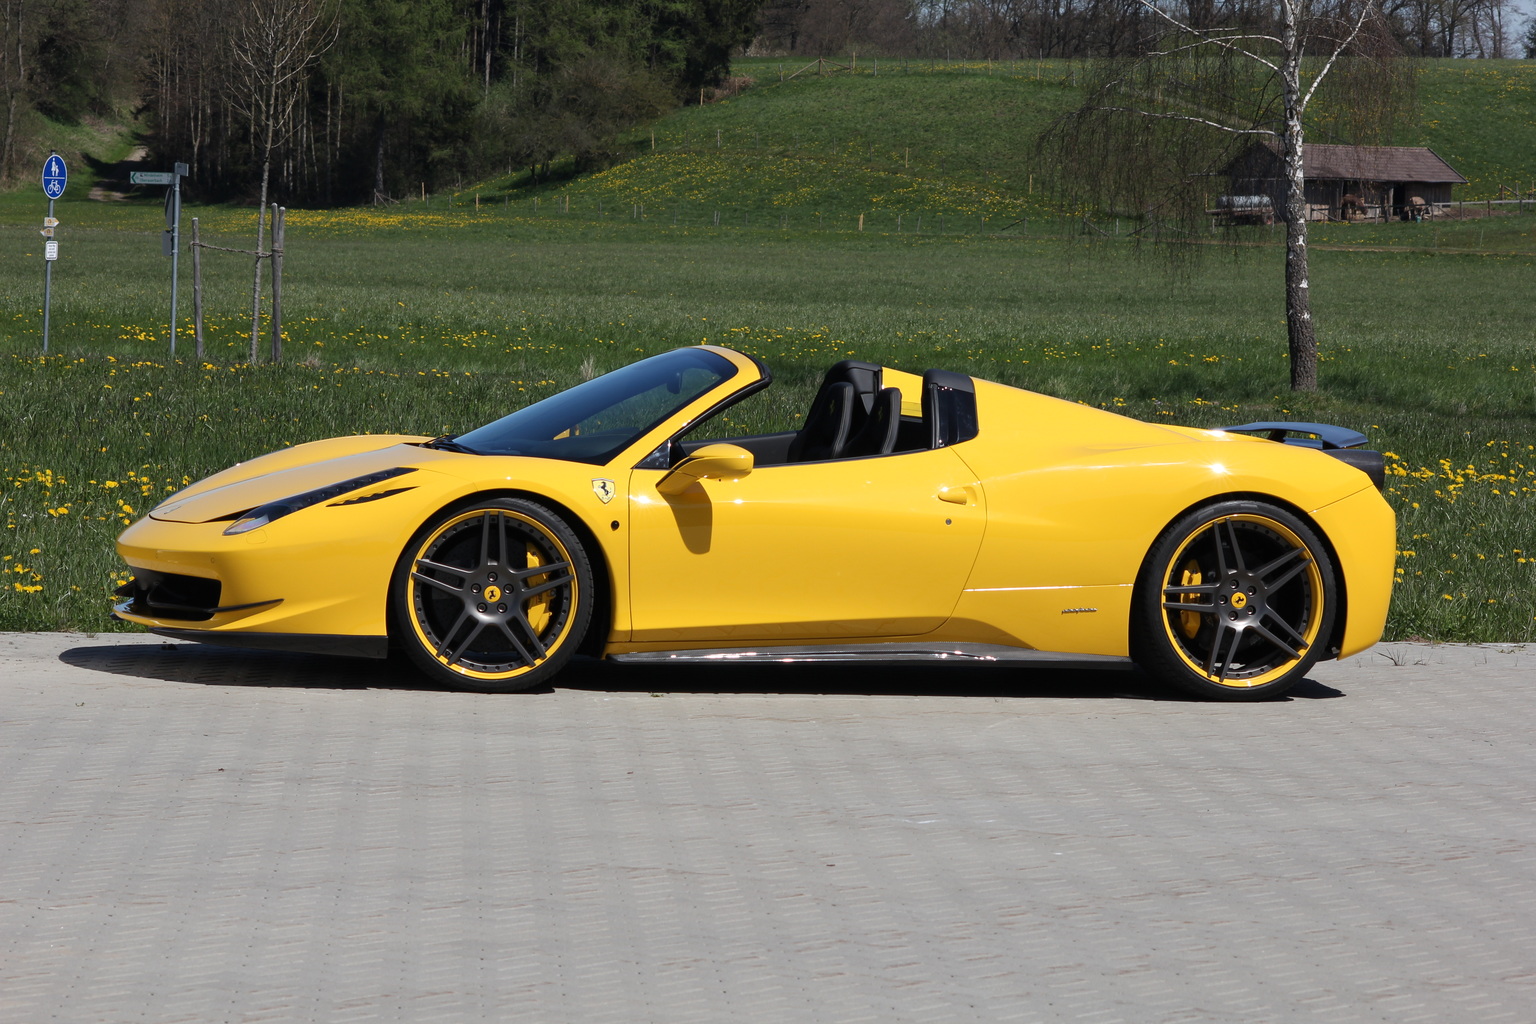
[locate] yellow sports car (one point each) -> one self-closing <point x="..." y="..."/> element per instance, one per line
<point x="910" y="518"/>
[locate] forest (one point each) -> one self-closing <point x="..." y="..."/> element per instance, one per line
<point x="333" y="102"/>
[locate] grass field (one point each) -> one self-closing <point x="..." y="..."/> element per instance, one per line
<point x="436" y="317"/>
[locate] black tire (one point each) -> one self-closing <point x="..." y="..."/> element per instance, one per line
<point x="1235" y="602"/>
<point x="494" y="595"/>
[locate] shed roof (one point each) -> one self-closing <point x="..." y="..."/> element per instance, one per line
<point x="1375" y="163"/>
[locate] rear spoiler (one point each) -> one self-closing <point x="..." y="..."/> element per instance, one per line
<point x="1340" y="442"/>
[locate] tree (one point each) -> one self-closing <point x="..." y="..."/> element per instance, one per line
<point x="407" y="92"/>
<point x="1158" y="126"/>
<point x="273" y="47"/>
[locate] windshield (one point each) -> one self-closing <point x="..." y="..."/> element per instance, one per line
<point x="594" y="421"/>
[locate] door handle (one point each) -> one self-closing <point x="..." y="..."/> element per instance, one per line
<point x="955" y="495"/>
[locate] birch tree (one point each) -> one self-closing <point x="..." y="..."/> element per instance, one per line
<point x="1158" y="127"/>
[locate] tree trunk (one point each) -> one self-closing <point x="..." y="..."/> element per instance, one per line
<point x="261" y="237"/>
<point x="1300" y="331"/>
<point x="378" y="164"/>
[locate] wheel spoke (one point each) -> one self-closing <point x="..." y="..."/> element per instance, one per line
<point x="538" y="570"/>
<point x="485" y="537"/>
<point x="1289" y="574"/>
<point x="1237" y="547"/>
<point x="1267" y="634"/>
<point x="439" y="584"/>
<point x="1226" y="665"/>
<point x="1297" y="637"/>
<point x="542" y="587"/>
<point x="452" y="570"/>
<point x="506" y="628"/>
<point x="447" y="638"/>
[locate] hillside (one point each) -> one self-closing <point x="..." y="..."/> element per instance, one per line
<point x="894" y="138"/>
<point x="908" y="137"/>
<point x="1480" y="115"/>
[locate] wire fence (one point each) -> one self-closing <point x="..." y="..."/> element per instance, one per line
<point x="677" y="213"/>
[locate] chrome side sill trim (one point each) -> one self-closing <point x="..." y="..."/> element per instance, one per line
<point x="882" y="653"/>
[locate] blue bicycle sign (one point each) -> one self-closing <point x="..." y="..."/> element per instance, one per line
<point x="55" y="176"/>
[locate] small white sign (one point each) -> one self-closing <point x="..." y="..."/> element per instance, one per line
<point x="50" y="222"/>
<point x="46" y="232"/>
<point x="50" y="250"/>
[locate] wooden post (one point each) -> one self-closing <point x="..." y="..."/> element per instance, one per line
<point x="197" y="289"/>
<point x="279" y="222"/>
<point x="861" y="222"/>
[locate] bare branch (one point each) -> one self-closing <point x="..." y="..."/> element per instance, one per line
<point x="1154" y="115"/>
<point x="1205" y="35"/>
<point x="1365" y="12"/>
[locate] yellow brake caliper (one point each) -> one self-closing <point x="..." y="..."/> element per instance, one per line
<point x="538" y="610"/>
<point x="1190" y="576"/>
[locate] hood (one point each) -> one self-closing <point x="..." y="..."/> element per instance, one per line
<point x="293" y="471"/>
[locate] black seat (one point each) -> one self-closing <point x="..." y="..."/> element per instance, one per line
<point x="827" y="425"/>
<point x="949" y="408"/>
<point x="865" y="378"/>
<point x="878" y="435"/>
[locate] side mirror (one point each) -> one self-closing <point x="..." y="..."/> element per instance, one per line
<point x="712" y="462"/>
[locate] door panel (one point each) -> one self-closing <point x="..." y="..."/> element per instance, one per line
<point x="855" y="548"/>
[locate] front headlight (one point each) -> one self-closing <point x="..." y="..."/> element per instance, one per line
<point x="272" y="511"/>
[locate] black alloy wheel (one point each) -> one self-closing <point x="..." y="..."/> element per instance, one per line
<point x="1235" y="602"/>
<point x="494" y="595"/>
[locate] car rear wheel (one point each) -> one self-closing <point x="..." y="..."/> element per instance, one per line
<point x="494" y="595"/>
<point x="1236" y="602"/>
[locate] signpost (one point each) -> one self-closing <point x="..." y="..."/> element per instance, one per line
<point x="170" y="242"/>
<point x="55" y="178"/>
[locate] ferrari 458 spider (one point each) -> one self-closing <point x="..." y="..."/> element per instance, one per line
<point x="911" y="517"/>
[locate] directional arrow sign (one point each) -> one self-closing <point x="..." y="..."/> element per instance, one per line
<point x="47" y="232"/>
<point x="55" y="176"/>
<point x="152" y="178"/>
<point x="50" y="222"/>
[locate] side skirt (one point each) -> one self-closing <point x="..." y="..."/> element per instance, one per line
<point x="294" y="643"/>
<point x="888" y="654"/>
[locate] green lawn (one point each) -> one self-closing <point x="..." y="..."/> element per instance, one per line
<point x="424" y="321"/>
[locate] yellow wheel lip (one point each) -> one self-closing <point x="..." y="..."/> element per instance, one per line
<point x="410" y="594"/>
<point x="1314" y="613"/>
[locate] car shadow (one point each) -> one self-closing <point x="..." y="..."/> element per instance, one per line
<point x="208" y="665"/>
<point x="226" y="666"/>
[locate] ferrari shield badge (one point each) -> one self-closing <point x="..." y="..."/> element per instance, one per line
<point x="604" y="489"/>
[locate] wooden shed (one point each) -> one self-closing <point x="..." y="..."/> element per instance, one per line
<point x="1349" y="181"/>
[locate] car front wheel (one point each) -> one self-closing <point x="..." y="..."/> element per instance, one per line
<point x="1236" y="602"/>
<point x="494" y="595"/>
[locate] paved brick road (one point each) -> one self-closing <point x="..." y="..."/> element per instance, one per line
<point x="190" y="834"/>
